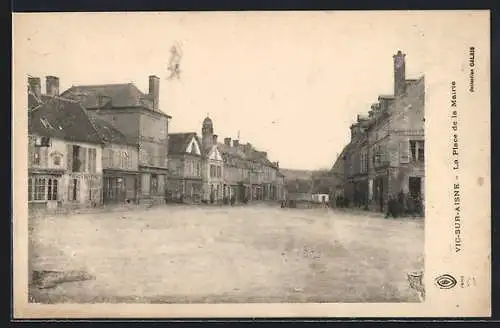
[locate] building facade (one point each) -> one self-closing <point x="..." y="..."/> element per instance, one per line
<point x="236" y="173"/>
<point x="120" y="164"/>
<point x="64" y="156"/>
<point x="212" y="165"/>
<point x="386" y="154"/>
<point x="139" y="117"/>
<point x="185" y="167"/>
<point x="230" y="172"/>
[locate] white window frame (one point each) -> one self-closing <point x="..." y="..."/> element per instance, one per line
<point x="38" y="192"/>
<point x="419" y="149"/>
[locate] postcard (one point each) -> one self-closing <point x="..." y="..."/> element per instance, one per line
<point x="251" y="164"/>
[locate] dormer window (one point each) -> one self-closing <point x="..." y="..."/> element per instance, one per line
<point x="45" y="123"/>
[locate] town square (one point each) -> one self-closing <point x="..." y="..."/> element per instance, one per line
<point x="183" y="172"/>
<point x="245" y="254"/>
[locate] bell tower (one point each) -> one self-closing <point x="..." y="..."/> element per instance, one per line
<point x="399" y="73"/>
<point x="207" y="133"/>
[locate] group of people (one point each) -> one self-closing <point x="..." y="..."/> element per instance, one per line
<point x="341" y="202"/>
<point x="404" y="205"/>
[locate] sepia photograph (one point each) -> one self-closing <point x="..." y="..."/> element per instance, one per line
<point x="235" y="159"/>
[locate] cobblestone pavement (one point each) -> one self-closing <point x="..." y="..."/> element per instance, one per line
<point x="191" y="254"/>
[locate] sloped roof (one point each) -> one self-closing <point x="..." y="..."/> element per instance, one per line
<point x="34" y="100"/>
<point x="111" y="134"/>
<point x="118" y="95"/>
<point x="251" y="155"/>
<point x="64" y="119"/>
<point x="231" y="151"/>
<point x="178" y="142"/>
<point x="338" y="166"/>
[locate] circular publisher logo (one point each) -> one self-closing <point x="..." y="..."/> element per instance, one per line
<point x="446" y="281"/>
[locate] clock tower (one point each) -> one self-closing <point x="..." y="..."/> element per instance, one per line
<point x="399" y="73"/>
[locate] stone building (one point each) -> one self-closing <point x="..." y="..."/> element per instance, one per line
<point x="185" y="166"/>
<point x="120" y="164"/>
<point x="299" y="190"/>
<point x="235" y="170"/>
<point x="139" y="117"/>
<point x="64" y="156"/>
<point x="212" y="165"/>
<point x="256" y="177"/>
<point x="386" y="154"/>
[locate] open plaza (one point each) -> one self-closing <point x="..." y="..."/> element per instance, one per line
<point x="244" y="254"/>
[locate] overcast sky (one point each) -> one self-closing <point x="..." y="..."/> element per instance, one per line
<point x="290" y="83"/>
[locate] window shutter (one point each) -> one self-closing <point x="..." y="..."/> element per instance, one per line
<point x="70" y="191"/>
<point x="69" y="157"/>
<point x="44" y="156"/>
<point x="83" y="159"/>
<point x="78" y="182"/>
<point x="404" y="152"/>
<point x="383" y="155"/>
<point x="31" y="150"/>
<point x="111" y="158"/>
<point x="89" y="169"/>
<point x="94" y="161"/>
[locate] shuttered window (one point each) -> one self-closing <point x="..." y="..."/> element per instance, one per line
<point x="83" y="159"/>
<point x="69" y="158"/>
<point x="92" y="160"/>
<point x="404" y="152"/>
<point x="31" y="150"/>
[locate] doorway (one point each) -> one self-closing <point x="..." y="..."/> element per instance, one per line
<point x="414" y="185"/>
<point x="379" y="192"/>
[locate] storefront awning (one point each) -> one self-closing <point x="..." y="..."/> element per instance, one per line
<point x="46" y="171"/>
<point x="120" y="172"/>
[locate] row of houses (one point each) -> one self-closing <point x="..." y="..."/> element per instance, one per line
<point x="95" y="144"/>
<point x="386" y="152"/>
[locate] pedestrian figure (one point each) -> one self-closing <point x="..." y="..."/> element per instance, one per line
<point x="419" y="208"/>
<point x="410" y="201"/>
<point x="389" y="206"/>
<point x="392" y="207"/>
<point x="401" y="203"/>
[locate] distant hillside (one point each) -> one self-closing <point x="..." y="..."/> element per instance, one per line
<point x="291" y="174"/>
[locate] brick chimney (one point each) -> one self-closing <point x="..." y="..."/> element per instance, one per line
<point x="52" y="86"/>
<point x="214" y="140"/>
<point x="35" y="86"/>
<point x="227" y="141"/>
<point x="399" y="73"/>
<point x="236" y="143"/>
<point x="154" y="91"/>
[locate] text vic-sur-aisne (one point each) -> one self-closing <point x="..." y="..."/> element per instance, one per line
<point x="457" y="220"/>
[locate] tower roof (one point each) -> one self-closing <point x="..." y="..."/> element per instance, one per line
<point x="207" y="121"/>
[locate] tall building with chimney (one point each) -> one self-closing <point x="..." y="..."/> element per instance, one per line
<point x="138" y="116"/>
<point x="35" y="95"/>
<point x="64" y="151"/>
<point x="386" y="153"/>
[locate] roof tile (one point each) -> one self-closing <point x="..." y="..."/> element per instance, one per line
<point x="64" y="119"/>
